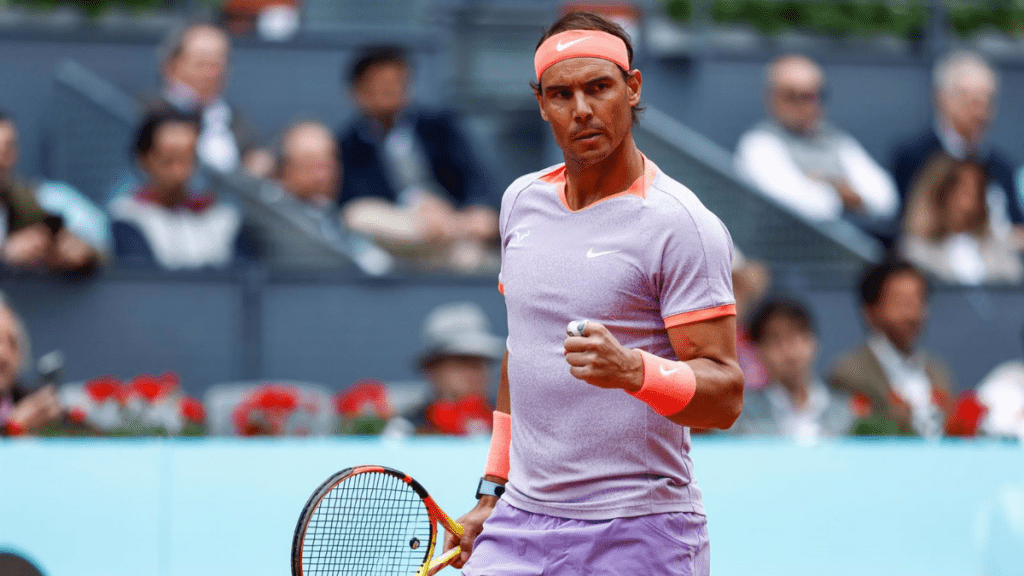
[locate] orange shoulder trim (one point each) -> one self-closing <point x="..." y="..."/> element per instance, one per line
<point x="695" y="316"/>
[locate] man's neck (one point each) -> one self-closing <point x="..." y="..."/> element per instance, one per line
<point x="588" y="183"/>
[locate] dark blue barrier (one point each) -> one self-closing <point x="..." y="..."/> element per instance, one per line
<point x="337" y="329"/>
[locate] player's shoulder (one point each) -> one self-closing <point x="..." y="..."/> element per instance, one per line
<point x="526" y="181"/>
<point x="671" y="199"/>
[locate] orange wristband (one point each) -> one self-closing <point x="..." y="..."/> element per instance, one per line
<point x="501" y="439"/>
<point x="668" y="385"/>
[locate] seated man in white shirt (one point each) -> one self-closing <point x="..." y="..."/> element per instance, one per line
<point x="796" y="403"/>
<point x="165" y="223"/>
<point x="805" y="163"/>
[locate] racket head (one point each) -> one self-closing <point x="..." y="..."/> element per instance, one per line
<point x="366" y="520"/>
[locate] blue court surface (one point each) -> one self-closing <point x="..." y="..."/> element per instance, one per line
<point x="185" y="507"/>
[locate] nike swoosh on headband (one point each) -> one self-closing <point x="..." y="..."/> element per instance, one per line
<point x="560" y="47"/>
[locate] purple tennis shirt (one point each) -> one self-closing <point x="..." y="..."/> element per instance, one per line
<point x="639" y="262"/>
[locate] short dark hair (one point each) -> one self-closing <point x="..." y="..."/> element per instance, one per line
<point x="375" y="56"/>
<point x="875" y="277"/>
<point x="578" y="20"/>
<point x="145" y="134"/>
<point x="780" y="307"/>
<point x="5" y="117"/>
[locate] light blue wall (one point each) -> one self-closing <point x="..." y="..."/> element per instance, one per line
<point x="163" y="508"/>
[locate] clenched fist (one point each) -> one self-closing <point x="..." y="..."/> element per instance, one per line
<point x="597" y="358"/>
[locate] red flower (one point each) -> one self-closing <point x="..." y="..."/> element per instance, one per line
<point x="364" y="396"/>
<point x="965" y="416"/>
<point x="76" y="415"/>
<point x="106" y="388"/>
<point x="265" y="411"/>
<point x="153" y="388"/>
<point x="460" y="417"/>
<point x="193" y="410"/>
<point x="860" y="405"/>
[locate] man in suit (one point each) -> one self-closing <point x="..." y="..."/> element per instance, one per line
<point x="897" y="387"/>
<point x="412" y="181"/>
<point x="194" y="66"/>
<point x="293" y="219"/>
<point x="966" y="89"/>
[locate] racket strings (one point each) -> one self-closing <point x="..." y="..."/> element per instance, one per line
<point x="370" y="524"/>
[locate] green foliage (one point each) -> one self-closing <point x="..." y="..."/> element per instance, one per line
<point x="92" y="8"/>
<point x="848" y="18"/>
<point x="968" y="18"/>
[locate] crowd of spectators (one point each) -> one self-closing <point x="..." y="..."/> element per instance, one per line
<point x="951" y="203"/>
<point x="400" y="187"/>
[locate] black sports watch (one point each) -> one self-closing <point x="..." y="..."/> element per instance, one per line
<point x="488" y="488"/>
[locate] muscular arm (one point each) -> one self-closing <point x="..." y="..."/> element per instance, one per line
<point x="708" y="347"/>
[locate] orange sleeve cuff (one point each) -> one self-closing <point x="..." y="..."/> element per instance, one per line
<point x="695" y="316"/>
<point x="501" y="440"/>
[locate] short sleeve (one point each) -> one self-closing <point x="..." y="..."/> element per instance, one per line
<point x="696" y="271"/>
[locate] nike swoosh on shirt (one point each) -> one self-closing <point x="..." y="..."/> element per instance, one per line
<point x="560" y="47"/>
<point x="592" y="254"/>
<point x="667" y="372"/>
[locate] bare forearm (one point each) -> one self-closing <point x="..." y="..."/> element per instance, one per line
<point x="718" y="399"/>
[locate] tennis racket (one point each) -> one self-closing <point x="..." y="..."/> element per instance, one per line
<point x="370" y="520"/>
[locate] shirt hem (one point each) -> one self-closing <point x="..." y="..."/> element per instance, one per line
<point x="560" y="511"/>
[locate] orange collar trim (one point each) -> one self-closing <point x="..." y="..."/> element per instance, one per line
<point x="638" y="188"/>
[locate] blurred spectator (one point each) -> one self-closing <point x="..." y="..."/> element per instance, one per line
<point x="897" y="387"/>
<point x="412" y="182"/>
<point x="194" y="65"/>
<point x="295" y="218"/>
<point x="947" y="231"/>
<point x="1002" y="394"/>
<point x="164" y="223"/>
<point x="799" y="159"/>
<point x="796" y="403"/>
<point x="460" y="350"/>
<point x="750" y="280"/>
<point x="966" y="88"/>
<point x="21" y="411"/>
<point x="56" y="238"/>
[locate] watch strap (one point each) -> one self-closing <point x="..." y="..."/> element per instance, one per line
<point x="488" y="488"/>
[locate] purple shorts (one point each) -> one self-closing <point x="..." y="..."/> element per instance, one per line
<point x="519" y="543"/>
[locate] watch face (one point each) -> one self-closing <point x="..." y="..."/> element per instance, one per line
<point x="488" y="488"/>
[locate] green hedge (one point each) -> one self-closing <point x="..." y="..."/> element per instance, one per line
<point x="906" y="19"/>
<point x="91" y="7"/>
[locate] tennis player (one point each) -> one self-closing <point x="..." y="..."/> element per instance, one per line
<point x="592" y="431"/>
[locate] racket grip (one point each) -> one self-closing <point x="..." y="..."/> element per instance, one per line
<point x="443" y="560"/>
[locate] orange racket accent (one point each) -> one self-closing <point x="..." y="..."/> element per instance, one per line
<point x="371" y="519"/>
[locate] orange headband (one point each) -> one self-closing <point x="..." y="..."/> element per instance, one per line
<point x="580" y="44"/>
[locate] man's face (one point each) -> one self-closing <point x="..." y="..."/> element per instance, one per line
<point x="456" y="377"/>
<point x="968" y="105"/>
<point x="10" y="349"/>
<point x="589" y="107"/>
<point x="901" y="310"/>
<point x="172" y="159"/>
<point x="795" y="96"/>
<point x="788" y="349"/>
<point x="203" y="62"/>
<point x="310" y="169"/>
<point x="383" y="91"/>
<point x="8" y="147"/>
